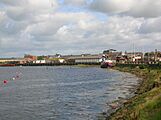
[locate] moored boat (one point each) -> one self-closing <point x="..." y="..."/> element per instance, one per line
<point x="106" y="64"/>
<point x="7" y="65"/>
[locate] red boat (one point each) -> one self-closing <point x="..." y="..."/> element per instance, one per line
<point x="7" y="65"/>
<point x="106" y="64"/>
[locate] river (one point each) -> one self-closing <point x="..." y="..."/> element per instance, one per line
<point x="61" y="93"/>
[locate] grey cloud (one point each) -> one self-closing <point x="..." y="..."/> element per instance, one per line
<point x="151" y="26"/>
<point x="136" y="8"/>
<point x="75" y="2"/>
<point x="8" y="26"/>
<point x="111" y="6"/>
<point x="14" y="2"/>
<point x="18" y="13"/>
<point x="11" y="27"/>
<point x="28" y="9"/>
<point x="145" y="8"/>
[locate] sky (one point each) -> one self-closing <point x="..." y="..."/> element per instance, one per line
<point x="46" y="27"/>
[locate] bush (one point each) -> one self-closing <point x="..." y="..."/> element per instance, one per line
<point x="143" y="66"/>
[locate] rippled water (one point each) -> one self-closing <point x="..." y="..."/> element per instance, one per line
<point x="60" y="93"/>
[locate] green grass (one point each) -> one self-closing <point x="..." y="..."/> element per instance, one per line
<point x="146" y="105"/>
<point x="156" y="115"/>
<point x="153" y="108"/>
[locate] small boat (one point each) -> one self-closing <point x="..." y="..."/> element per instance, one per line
<point x="106" y="64"/>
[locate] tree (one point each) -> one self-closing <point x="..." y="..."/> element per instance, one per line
<point x="40" y="57"/>
<point x="108" y="51"/>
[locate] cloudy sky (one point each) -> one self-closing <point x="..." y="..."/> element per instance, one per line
<point x="43" y="27"/>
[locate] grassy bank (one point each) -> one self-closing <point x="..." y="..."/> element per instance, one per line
<point x="146" y="105"/>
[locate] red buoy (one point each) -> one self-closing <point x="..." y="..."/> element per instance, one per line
<point x="5" y="81"/>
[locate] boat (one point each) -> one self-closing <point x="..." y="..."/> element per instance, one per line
<point x="7" y="65"/>
<point x="106" y="64"/>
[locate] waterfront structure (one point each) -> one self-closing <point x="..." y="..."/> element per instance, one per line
<point x="86" y="59"/>
<point x="111" y="54"/>
<point x="134" y="56"/>
<point x="159" y="56"/>
<point x="29" y="58"/>
<point x="11" y="60"/>
<point x="153" y="56"/>
<point x="39" y="61"/>
<point x="121" y="59"/>
<point x="55" y="59"/>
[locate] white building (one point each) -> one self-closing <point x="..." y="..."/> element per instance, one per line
<point x="39" y="61"/>
<point x="87" y="59"/>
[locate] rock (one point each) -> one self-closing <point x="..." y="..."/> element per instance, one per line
<point x="114" y="105"/>
<point x="125" y="101"/>
<point x="104" y="113"/>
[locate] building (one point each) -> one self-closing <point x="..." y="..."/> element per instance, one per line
<point x="39" y="61"/>
<point x="29" y="58"/>
<point x="86" y="59"/>
<point x="153" y="56"/>
<point x="55" y="59"/>
<point x="159" y="56"/>
<point x="134" y="56"/>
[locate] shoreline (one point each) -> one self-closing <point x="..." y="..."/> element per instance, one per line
<point x="119" y="103"/>
<point x="145" y="103"/>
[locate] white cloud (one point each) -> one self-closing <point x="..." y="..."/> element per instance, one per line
<point x="39" y="27"/>
<point x="136" y="8"/>
<point x="53" y="22"/>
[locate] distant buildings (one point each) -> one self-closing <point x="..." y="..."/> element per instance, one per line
<point x="152" y="56"/>
<point x="133" y="57"/>
<point x="29" y="58"/>
<point x="26" y="59"/>
<point x="116" y="57"/>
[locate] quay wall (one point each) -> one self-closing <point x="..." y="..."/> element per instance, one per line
<point x="55" y="64"/>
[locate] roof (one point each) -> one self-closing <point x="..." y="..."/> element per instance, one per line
<point x="134" y="53"/>
<point x="97" y="56"/>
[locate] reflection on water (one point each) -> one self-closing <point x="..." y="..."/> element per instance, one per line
<point x="60" y="93"/>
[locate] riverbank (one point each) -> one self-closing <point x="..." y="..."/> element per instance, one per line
<point x="146" y="104"/>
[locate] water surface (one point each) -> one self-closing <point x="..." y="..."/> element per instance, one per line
<point x="60" y="93"/>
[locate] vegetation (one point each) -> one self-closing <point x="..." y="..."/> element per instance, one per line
<point x="146" y="105"/>
<point x="108" y="51"/>
<point x="40" y="57"/>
